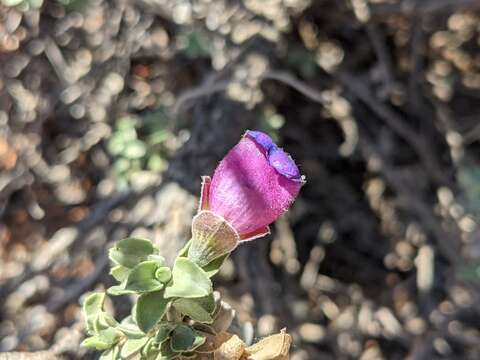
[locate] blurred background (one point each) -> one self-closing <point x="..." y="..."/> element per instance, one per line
<point x="111" y="110"/>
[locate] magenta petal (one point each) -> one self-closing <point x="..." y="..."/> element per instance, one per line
<point x="248" y="191"/>
<point x="255" y="234"/>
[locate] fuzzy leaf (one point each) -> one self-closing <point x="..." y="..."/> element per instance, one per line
<point x="111" y="354"/>
<point x="142" y="278"/>
<point x="185" y="339"/>
<point x="132" y="346"/>
<point x="103" y="321"/>
<point x="150" y="309"/>
<point x="130" y="251"/>
<point x="96" y="343"/>
<point x="160" y="260"/>
<point x="11" y="2"/>
<point x="189" y="280"/>
<point x="105" y="339"/>
<point x="97" y="319"/>
<point x="93" y="303"/>
<point x="134" y="149"/>
<point x="149" y="350"/>
<point x="166" y="352"/>
<point x="117" y="290"/>
<point x="197" y="309"/>
<point x="130" y="330"/>
<point x="119" y="272"/>
<point x="164" y="332"/>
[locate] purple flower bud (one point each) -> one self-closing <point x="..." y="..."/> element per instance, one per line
<point x="252" y="186"/>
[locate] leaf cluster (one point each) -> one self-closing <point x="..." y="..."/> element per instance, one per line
<point x="175" y="311"/>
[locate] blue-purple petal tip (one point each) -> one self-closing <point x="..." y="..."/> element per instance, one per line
<point x="261" y="139"/>
<point x="279" y="159"/>
<point x="284" y="164"/>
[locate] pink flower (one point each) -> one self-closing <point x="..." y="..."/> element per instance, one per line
<point x="252" y="186"/>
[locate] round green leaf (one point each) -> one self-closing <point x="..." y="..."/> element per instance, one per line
<point x="135" y="246"/>
<point x="117" y="290"/>
<point x="122" y="165"/>
<point x="119" y="272"/>
<point x="185" y="339"/>
<point x="105" y="339"/>
<point x="195" y="309"/>
<point x="149" y="350"/>
<point x="126" y="123"/>
<point x="189" y="280"/>
<point x="163" y="332"/>
<point x="150" y="309"/>
<point x="111" y="354"/>
<point x="11" y="2"/>
<point x="160" y="260"/>
<point x="132" y="346"/>
<point x="156" y="163"/>
<point x="163" y="274"/>
<point x="116" y="144"/>
<point x="130" y="251"/>
<point x="93" y="303"/>
<point x="103" y="321"/>
<point x="96" y="343"/>
<point x="134" y="149"/>
<point x="36" y="4"/>
<point x="142" y="278"/>
<point x="131" y="330"/>
<point x="166" y="352"/>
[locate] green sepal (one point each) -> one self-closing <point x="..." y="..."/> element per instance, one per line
<point x="142" y="278"/>
<point x="132" y="346"/>
<point x="214" y="266"/>
<point x="151" y="307"/>
<point x="188" y="280"/>
<point x="184" y="251"/>
<point x="185" y="338"/>
<point x="130" y="251"/>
